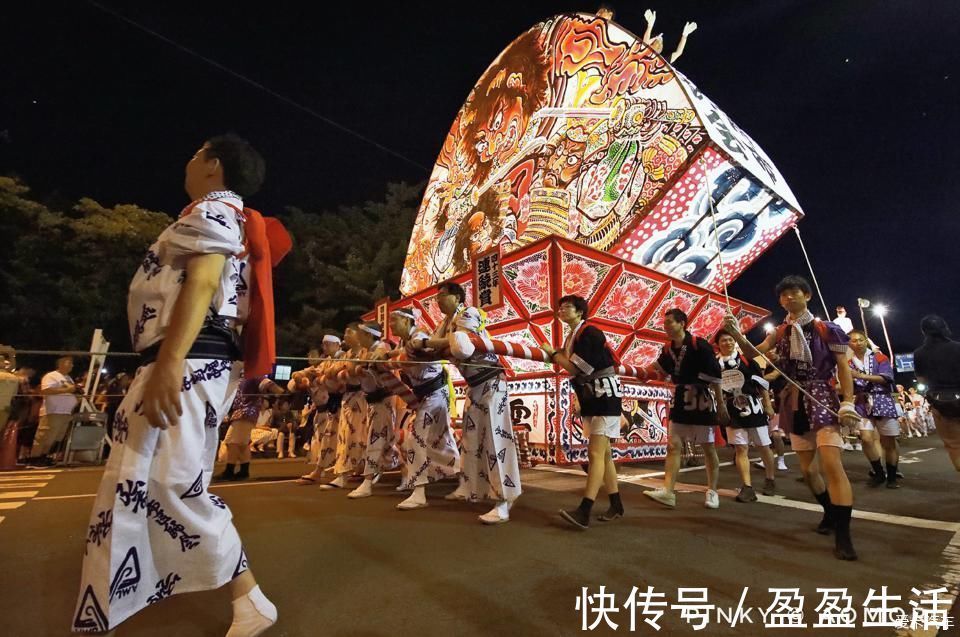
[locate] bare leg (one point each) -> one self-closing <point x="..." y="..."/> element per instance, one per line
<point x="871" y="446"/>
<point x="778" y="446"/>
<point x="891" y="449"/>
<point x="599" y="448"/>
<point x="610" y="483"/>
<point x="242" y="584"/>
<point x="811" y="471"/>
<point x="712" y="463"/>
<point x="671" y="465"/>
<point x="234" y="453"/>
<point x="769" y="466"/>
<point x="743" y="464"/>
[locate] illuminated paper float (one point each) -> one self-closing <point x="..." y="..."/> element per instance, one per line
<point x="630" y="302"/>
<point x="580" y="130"/>
<point x="583" y="160"/>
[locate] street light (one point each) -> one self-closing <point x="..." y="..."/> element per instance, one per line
<point x="880" y="310"/>
<point x="863" y="303"/>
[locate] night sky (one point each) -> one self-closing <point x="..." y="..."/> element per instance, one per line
<point x="855" y="102"/>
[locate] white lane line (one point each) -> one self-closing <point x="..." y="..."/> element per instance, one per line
<point x="6" y="506"/>
<point x="10" y="495"/>
<point x="949" y="579"/>
<point x="32" y="476"/>
<point x="22" y="485"/>
<point x="901" y="520"/>
<point x="65" y="497"/>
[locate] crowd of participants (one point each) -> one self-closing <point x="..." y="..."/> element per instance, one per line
<point x="190" y="296"/>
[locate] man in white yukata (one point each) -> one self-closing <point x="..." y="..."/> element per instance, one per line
<point x="155" y="530"/>
<point x="381" y="453"/>
<point x="429" y="449"/>
<point x="491" y="465"/>
<point x="326" y="397"/>
<point x="352" y="427"/>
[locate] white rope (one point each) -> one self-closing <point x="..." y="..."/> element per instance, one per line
<point x="813" y="275"/>
<point x="716" y="232"/>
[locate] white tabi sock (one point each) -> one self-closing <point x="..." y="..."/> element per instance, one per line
<point x="365" y="489"/>
<point x="417" y="499"/>
<point x="501" y="510"/>
<point x="253" y="613"/>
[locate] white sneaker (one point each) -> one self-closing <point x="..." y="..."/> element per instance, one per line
<point x="712" y="501"/>
<point x="664" y="497"/>
<point x="782" y="464"/>
<point x="365" y="490"/>
<point x="847" y="446"/>
<point x="857" y="447"/>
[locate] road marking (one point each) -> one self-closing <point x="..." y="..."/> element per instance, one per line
<point x="65" y="497"/>
<point x="20" y="478"/>
<point x="31" y="472"/>
<point x="22" y="485"/>
<point x="17" y="494"/>
<point x="901" y="520"/>
<point x="12" y="487"/>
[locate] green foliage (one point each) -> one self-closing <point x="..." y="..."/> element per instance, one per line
<point x="341" y="264"/>
<point x="65" y="273"/>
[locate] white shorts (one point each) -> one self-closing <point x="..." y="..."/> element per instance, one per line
<point x="885" y="426"/>
<point x="828" y="436"/>
<point x="697" y="434"/>
<point x="608" y="426"/>
<point x="757" y="436"/>
<point x="239" y="432"/>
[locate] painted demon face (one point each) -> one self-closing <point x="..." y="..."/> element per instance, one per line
<point x="497" y="138"/>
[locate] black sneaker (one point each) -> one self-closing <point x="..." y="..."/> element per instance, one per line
<point x="746" y="494"/>
<point x="826" y="526"/>
<point x="576" y="518"/>
<point x="611" y="514"/>
<point x="843" y="549"/>
<point x="769" y="486"/>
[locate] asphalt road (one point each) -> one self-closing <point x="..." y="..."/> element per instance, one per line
<point x="359" y="568"/>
